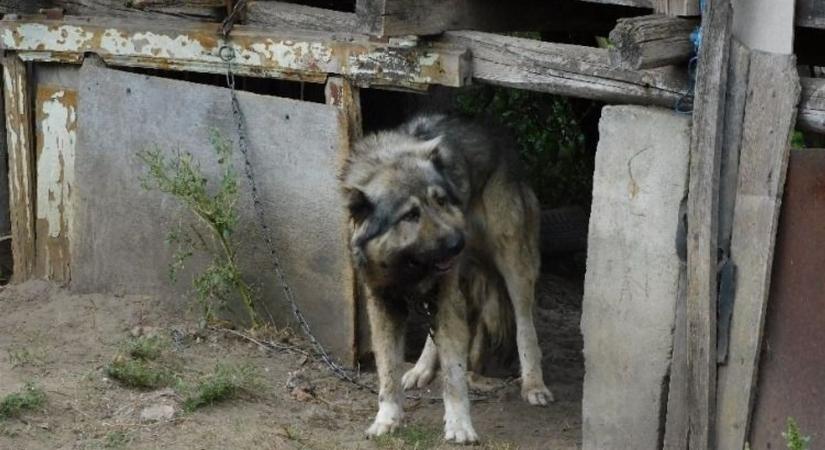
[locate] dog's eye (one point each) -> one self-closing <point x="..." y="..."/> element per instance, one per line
<point x="412" y="215"/>
<point x="441" y="200"/>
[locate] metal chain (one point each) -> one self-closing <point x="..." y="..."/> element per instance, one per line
<point x="227" y="54"/>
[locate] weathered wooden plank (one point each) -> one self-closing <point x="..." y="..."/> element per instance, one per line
<point x="677" y="7"/>
<point x="677" y="421"/>
<point x="651" y="41"/>
<point x="810" y="13"/>
<point x="341" y="93"/>
<point x="565" y="70"/>
<point x="56" y="133"/>
<point x="812" y="105"/>
<point x="738" y="69"/>
<point x="633" y="3"/>
<point x="428" y="17"/>
<point x="19" y="141"/>
<point x="23" y="6"/>
<point x="205" y="10"/>
<point x="180" y="45"/>
<point x="770" y="113"/>
<point x="703" y="196"/>
<point x="299" y="17"/>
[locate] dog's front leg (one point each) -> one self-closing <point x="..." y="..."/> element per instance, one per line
<point x="452" y="338"/>
<point x="387" y="328"/>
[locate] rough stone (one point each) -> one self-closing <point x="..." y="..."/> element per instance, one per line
<point x="157" y="413"/>
<point x="633" y="274"/>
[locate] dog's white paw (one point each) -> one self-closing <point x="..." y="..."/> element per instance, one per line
<point x="386" y="421"/>
<point x="381" y="428"/>
<point x="460" y="431"/>
<point x="417" y="377"/>
<point x="536" y="394"/>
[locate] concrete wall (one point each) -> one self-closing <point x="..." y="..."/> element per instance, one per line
<point x="765" y="25"/>
<point x="118" y="230"/>
<point x="633" y="275"/>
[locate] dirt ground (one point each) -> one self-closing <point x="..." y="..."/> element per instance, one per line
<point x="63" y="342"/>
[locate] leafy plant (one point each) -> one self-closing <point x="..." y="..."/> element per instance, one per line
<point x="14" y="404"/>
<point x="794" y="437"/>
<point x="548" y="135"/>
<point x="215" y="207"/>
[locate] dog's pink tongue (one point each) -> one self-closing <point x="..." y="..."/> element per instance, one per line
<point x="444" y="265"/>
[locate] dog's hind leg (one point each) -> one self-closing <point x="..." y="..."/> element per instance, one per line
<point x="516" y="254"/>
<point x="424" y="370"/>
<point x="453" y="339"/>
<point x="387" y="328"/>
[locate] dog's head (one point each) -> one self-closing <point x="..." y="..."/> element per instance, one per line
<point x="407" y="223"/>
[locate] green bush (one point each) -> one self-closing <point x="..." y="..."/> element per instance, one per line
<point x="548" y="135"/>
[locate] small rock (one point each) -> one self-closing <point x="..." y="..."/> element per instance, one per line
<point x="300" y="387"/>
<point x="157" y="413"/>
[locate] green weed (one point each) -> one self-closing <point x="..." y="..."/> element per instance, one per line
<point x="29" y="398"/>
<point x="138" y="373"/>
<point x="225" y="383"/>
<point x="215" y="208"/>
<point x="794" y="437"/>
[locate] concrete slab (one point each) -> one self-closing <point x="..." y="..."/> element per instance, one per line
<point x="119" y="229"/>
<point x="633" y="275"/>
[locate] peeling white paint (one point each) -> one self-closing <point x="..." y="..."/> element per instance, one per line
<point x="55" y="164"/>
<point x="35" y="36"/>
<point x="257" y="53"/>
<point x="156" y="45"/>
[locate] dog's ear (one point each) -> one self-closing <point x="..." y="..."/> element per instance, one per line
<point x="431" y="148"/>
<point x="358" y="204"/>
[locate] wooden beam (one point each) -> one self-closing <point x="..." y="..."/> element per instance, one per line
<point x="204" y="10"/>
<point x="770" y="112"/>
<point x="292" y="16"/>
<point x="180" y="45"/>
<point x="20" y="141"/>
<point x="703" y="196"/>
<point x="428" y="17"/>
<point x="651" y="41"/>
<point x="812" y="105"/>
<point x="564" y="69"/>
<point x="677" y="7"/>
<point x="648" y="4"/>
<point x="810" y="13"/>
<point x="23" y="6"/>
<point x="341" y="93"/>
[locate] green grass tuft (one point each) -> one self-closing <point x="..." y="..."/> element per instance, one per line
<point x="415" y="437"/>
<point x="146" y="348"/>
<point x="139" y="374"/>
<point x="14" y="404"/>
<point x="225" y="383"/>
<point x="794" y="437"/>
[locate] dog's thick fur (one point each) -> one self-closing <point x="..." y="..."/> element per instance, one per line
<point x="440" y="213"/>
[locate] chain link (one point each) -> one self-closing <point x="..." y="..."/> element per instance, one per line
<point x="227" y="54"/>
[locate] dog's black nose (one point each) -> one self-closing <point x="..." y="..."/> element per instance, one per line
<point x="454" y="244"/>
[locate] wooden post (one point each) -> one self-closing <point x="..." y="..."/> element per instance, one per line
<point x="21" y="165"/>
<point x="677" y="7"/>
<point x="703" y="195"/>
<point x="812" y="105"/>
<point x="341" y="93"/>
<point x="770" y="113"/>
<point x="651" y="41"/>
